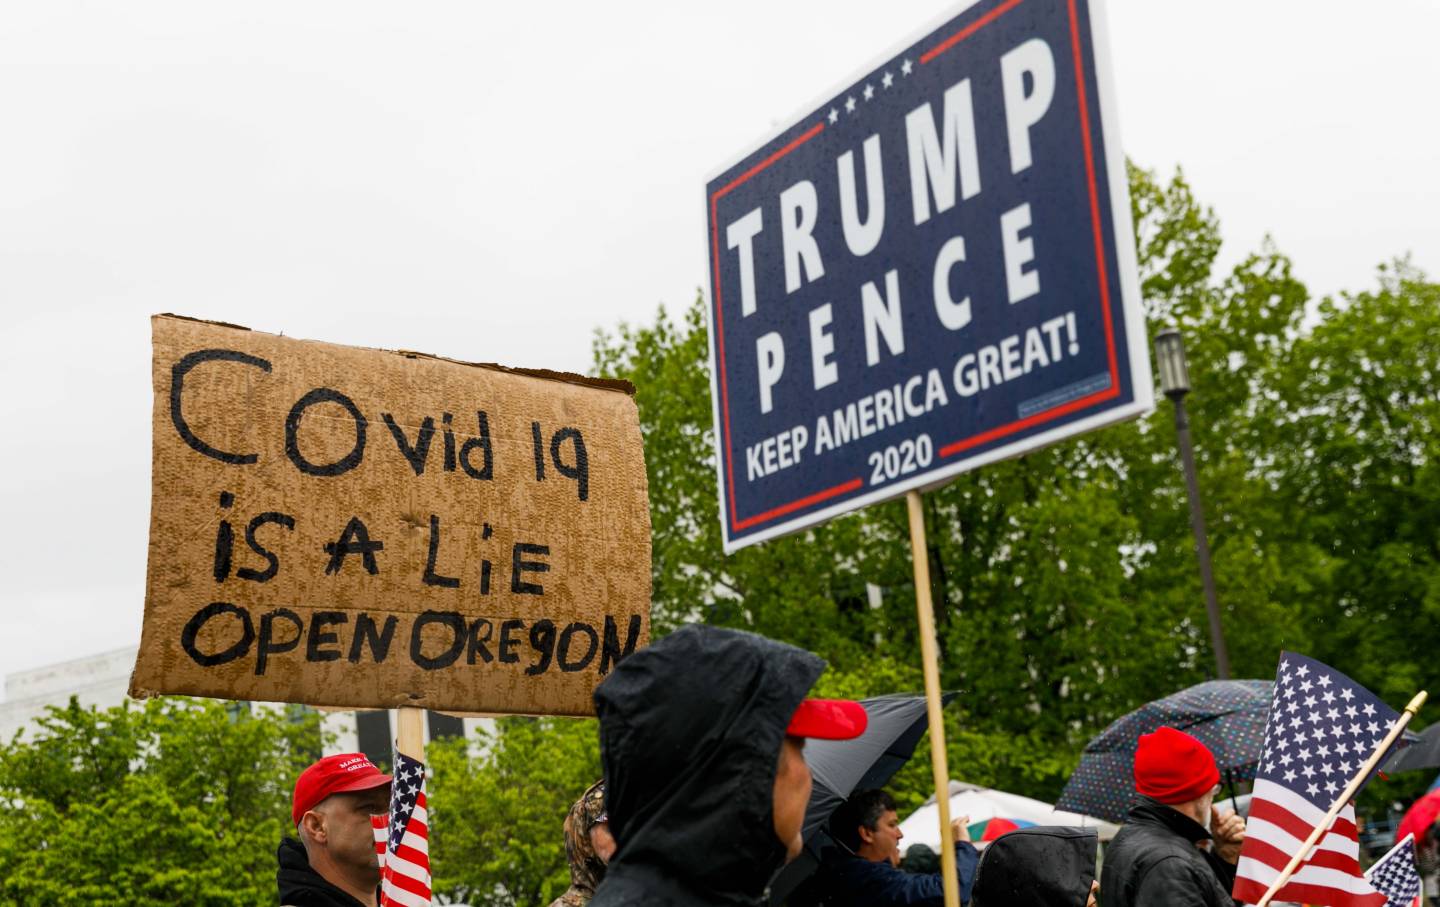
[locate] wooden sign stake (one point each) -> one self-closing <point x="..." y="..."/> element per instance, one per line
<point x="410" y="732"/>
<point x="1345" y="796"/>
<point x="930" y="657"/>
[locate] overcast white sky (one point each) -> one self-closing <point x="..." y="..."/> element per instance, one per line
<point x="493" y="181"/>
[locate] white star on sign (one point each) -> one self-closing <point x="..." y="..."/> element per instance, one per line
<point x="834" y="115"/>
<point x="906" y="66"/>
<point x="887" y="80"/>
<point x="850" y="105"/>
<point x="869" y="91"/>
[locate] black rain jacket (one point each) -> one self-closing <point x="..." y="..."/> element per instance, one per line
<point x="301" y="886"/>
<point x="1154" y="860"/>
<point x="1043" y="866"/>
<point x="690" y="735"/>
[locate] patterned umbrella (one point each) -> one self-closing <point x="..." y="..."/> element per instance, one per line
<point x="1228" y="716"/>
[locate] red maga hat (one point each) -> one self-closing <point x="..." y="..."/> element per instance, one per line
<point x="340" y="773"/>
<point x="1173" y="767"/>
<point x="828" y="719"/>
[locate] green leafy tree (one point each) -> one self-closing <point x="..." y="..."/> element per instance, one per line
<point x="174" y="801"/>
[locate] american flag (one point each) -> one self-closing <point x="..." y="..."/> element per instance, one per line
<point x="1396" y="875"/>
<point x="1322" y="728"/>
<point x="402" y="839"/>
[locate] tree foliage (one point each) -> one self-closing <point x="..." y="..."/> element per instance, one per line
<point x="177" y="801"/>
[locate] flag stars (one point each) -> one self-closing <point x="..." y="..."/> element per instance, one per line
<point x="887" y="80"/>
<point x="1311" y="789"/>
<point x="1289" y="775"/>
<point x="869" y="91"/>
<point x="1329" y="697"/>
<point x="906" y="66"/>
<point x="1369" y="710"/>
<point x="1324" y="680"/>
<point x="1303" y="670"/>
<point x="1347" y="694"/>
<point x="834" y="115"/>
<point x="850" y="104"/>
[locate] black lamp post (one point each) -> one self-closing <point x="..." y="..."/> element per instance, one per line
<point x="1175" y="383"/>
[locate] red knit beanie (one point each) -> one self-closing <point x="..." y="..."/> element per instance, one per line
<point x="1173" y="767"/>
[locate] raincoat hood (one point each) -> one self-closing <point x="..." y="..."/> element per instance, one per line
<point x="690" y="736"/>
<point x="1044" y="866"/>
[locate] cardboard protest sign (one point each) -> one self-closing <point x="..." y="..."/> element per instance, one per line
<point x="930" y="269"/>
<point x="360" y="528"/>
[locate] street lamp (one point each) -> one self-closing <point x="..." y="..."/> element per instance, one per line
<point x="1175" y="384"/>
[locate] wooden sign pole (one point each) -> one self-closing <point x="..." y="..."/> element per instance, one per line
<point x="410" y="732"/>
<point x="1345" y="796"/>
<point x="930" y="657"/>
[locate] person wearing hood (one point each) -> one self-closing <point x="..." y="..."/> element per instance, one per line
<point x="1041" y="866"/>
<point x="588" y="846"/>
<point x="333" y="863"/>
<point x="702" y="740"/>
<point x="1164" y="854"/>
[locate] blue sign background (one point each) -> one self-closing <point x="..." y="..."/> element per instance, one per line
<point x="1092" y="368"/>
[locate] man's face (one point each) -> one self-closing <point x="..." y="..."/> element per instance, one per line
<point x="883" y="841"/>
<point x="792" y="795"/>
<point x="346" y="832"/>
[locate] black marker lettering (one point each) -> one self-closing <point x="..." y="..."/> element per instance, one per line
<point x="539" y="445"/>
<point x="580" y="472"/>
<point x="518" y="566"/>
<point x="260" y="576"/>
<point x="430" y="577"/>
<point x="267" y="645"/>
<point x="542" y="640"/>
<point x="452" y="621"/>
<point x="379" y="642"/>
<point x="355" y="539"/>
<point x="177" y="383"/>
<point x="477" y="642"/>
<point x="508" y="642"/>
<point x="613" y="652"/>
<point x="224" y="541"/>
<point x="292" y="433"/>
<point x="482" y="442"/>
<point x="567" y="636"/>
<point x="198" y="621"/>
<point x="319" y="620"/>
<point x="416" y="455"/>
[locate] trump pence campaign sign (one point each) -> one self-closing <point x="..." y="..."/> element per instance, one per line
<point x="930" y="270"/>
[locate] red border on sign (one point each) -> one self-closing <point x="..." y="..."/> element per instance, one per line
<point x="963" y="444"/>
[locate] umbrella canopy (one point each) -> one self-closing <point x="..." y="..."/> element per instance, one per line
<point x="841" y="767"/>
<point x="987" y="807"/>
<point x="1424" y="752"/>
<point x="1420" y="816"/>
<point x="1228" y="716"/>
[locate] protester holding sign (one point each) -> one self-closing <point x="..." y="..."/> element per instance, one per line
<point x="333" y="863"/>
<point x="701" y="737"/>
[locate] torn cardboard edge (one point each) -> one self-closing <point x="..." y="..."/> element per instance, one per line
<point x="610" y="384"/>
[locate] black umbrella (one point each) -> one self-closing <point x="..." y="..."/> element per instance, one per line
<point x="1228" y="716"/>
<point x="1424" y="752"/>
<point x="841" y="767"/>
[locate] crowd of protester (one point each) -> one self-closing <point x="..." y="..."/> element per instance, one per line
<point x="705" y="793"/>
